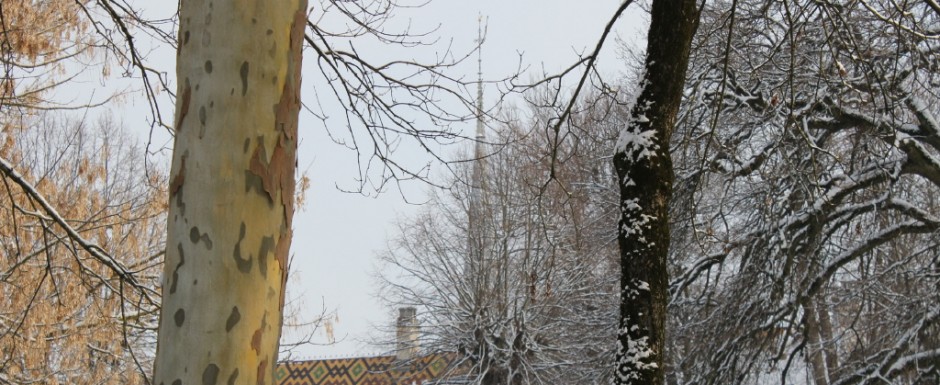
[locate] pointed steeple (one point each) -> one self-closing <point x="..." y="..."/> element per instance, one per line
<point x="475" y="214"/>
<point x="480" y="133"/>
<point x="478" y="153"/>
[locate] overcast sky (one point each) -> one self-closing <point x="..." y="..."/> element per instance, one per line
<point x="337" y="235"/>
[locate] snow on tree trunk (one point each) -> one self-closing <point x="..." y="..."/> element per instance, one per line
<point x="644" y="169"/>
<point x="231" y="191"/>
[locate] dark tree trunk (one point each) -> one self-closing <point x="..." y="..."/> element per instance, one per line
<point x="644" y="168"/>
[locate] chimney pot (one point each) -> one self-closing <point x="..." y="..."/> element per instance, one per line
<point x="407" y="334"/>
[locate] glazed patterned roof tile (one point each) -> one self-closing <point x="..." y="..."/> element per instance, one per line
<point x="380" y="370"/>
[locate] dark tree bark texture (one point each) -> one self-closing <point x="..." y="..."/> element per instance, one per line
<point x="644" y="169"/>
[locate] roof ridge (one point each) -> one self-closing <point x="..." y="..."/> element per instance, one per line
<point x="335" y="357"/>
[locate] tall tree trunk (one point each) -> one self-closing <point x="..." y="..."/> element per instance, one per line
<point x="231" y="191"/>
<point x="830" y="345"/>
<point x="821" y="347"/>
<point x="644" y="168"/>
<point x="814" y="344"/>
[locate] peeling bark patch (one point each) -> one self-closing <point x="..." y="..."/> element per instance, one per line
<point x="283" y="160"/>
<point x="195" y="236"/>
<point x="281" y="256"/>
<point x="255" y="175"/>
<point x="244" y="265"/>
<point x="208" y="66"/>
<point x="244" y="75"/>
<point x="245" y="146"/>
<point x="262" y="371"/>
<point x="177" y="185"/>
<point x="232" y="377"/>
<point x="184" y="104"/>
<point x="267" y="245"/>
<point x="185" y="37"/>
<point x="179" y="317"/>
<point x="177" y="182"/>
<point x="233" y="319"/>
<point x="285" y="113"/>
<point x="176" y="276"/>
<point x="256" y="340"/>
<point x="277" y="175"/>
<point x="254" y="181"/>
<point x="202" y="115"/>
<point x="210" y="375"/>
<point x="178" y="382"/>
<point x="281" y="252"/>
<point x="256" y="337"/>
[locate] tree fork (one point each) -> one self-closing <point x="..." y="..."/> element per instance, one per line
<point x="231" y="192"/>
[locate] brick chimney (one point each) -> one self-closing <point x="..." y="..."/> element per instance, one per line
<point x="406" y="331"/>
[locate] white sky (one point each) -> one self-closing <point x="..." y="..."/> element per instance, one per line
<point x="338" y="234"/>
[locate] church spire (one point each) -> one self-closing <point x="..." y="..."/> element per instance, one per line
<point x="474" y="226"/>
<point x="478" y="153"/>
<point x="481" y="135"/>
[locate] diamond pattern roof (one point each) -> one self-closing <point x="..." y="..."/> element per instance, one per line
<point x="381" y="370"/>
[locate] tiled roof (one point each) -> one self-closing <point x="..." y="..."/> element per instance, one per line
<point x="381" y="370"/>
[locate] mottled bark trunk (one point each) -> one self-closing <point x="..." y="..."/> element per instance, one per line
<point x="231" y="191"/>
<point x="644" y="168"/>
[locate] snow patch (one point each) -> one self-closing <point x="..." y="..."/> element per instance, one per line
<point x="633" y="290"/>
<point x="634" y="357"/>
<point x="642" y="144"/>
<point x="632" y="140"/>
<point x="928" y="118"/>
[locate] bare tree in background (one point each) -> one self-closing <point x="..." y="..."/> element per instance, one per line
<point x="644" y="177"/>
<point x="806" y="223"/>
<point x="519" y="279"/>
<point x="69" y="317"/>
